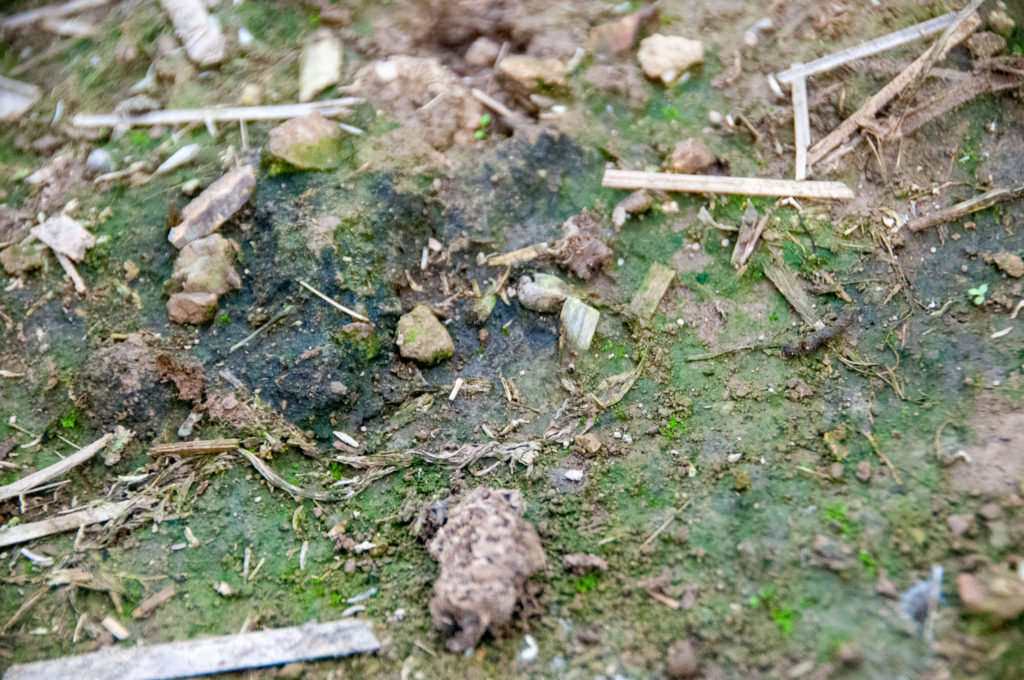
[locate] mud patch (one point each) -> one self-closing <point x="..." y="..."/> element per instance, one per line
<point x="996" y="467"/>
<point x="121" y="385"/>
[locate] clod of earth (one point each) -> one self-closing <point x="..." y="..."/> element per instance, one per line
<point x="619" y="36"/>
<point x="637" y="202"/>
<point x="582" y="563"/>
<point x="403" y="86"/>
<point x="422" y="338"/>
<point x="1008" y="262"/>
<point x="213" y="207"/>
<point x="681" y="661"/>
<point x="486" y="552"/>
<point x="582" y="249"/>
<point x="528" y="74"/>
<point x="689" y="157"/>
<point x="309" y="143"/>
<point x="996" y="590"/>
<point x="668" y="56"/>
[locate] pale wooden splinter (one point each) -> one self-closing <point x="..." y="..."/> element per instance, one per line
<point x="28" y="483"/>
<point x="206" y="656"/>
<point x="708" y="184"/>
<point x="326" y="108"/>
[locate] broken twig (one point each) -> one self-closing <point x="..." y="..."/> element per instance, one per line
<point x="29" y="482"/>
<point x="55" y="525"/>
<point x="866" y="113"/>
<point x="866" y="49"/>
<point x="971" y="205"/>
<point x="194" y="448"/>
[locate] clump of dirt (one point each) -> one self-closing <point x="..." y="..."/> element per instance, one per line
<point x="121" y="385"/>
<point x="55" y="180"/>
<point x="428" y="99"/>
<point x="486" y="552"/>
<point x="996" y="467"/>
<point x="582" y="249"/>
<point x="244" y="414"/>
<point x="458" y="22"/>
<point x="187" y="377"/>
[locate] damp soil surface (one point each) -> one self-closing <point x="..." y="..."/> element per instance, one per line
<point x="728" y="509"/>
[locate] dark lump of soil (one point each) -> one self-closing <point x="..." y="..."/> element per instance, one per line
<point x="121" y="385"/>
<point x="128" y="384"/>
<point x="996" y="465"/>
<point x="486" y="552"/>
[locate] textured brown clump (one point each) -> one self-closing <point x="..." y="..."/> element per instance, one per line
<point x="582" y="249"/>
<point x="120" y="384"/>
<point x="486" y="552"/>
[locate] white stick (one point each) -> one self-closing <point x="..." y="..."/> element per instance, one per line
<point x="866" y="49"/>
<point x="55" y="525"/>
<point x="337" y="305"/>
<point x="801" y="127"/>
<point x="40" y="477"/>
<point x="708" y="184"/>
<point x="327" y="108"/>
<point x="50" y="12"/>
<point x="206" y="656"/>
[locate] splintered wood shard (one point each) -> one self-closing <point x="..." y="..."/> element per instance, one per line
<point x="789" y="285"/>
<point x="55" y="525"/>
<point x="866" y="49"/>
<point x="210" y="655"/>
<point x="709" y="184"/>
<point x="866" y="113"/>
<point x="29" y="482"/>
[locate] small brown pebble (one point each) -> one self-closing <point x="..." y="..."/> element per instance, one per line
<point x="959" y="524"/>
<point x="864" y="471"/>
<point x="588" y="443"/>
<point x="291" y="671"/>
<point x="990" y="512"/>
<point x="885" y="587"/>
<point x="681" y="661"/>
<point x="851" y="655"/>
<point x="483" y="336"/>
<point x="835" y="470"/>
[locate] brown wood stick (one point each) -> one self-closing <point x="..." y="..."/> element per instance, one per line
<point x="199" y="447"/>
<point x="971" y="205"/>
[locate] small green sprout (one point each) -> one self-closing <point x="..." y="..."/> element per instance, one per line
<point x="224" y="319"/>
<point x="978" y="294"/>
<point x="481" y="132"/>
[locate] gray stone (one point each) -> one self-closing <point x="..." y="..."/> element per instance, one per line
<point x="193" y="308"/>
<point x="307" y="142"/>
<point x="681" y="661"/>
<point x="543" y="293"/>
<point x="100" y="161"/>
<point x="422" y="338"/>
